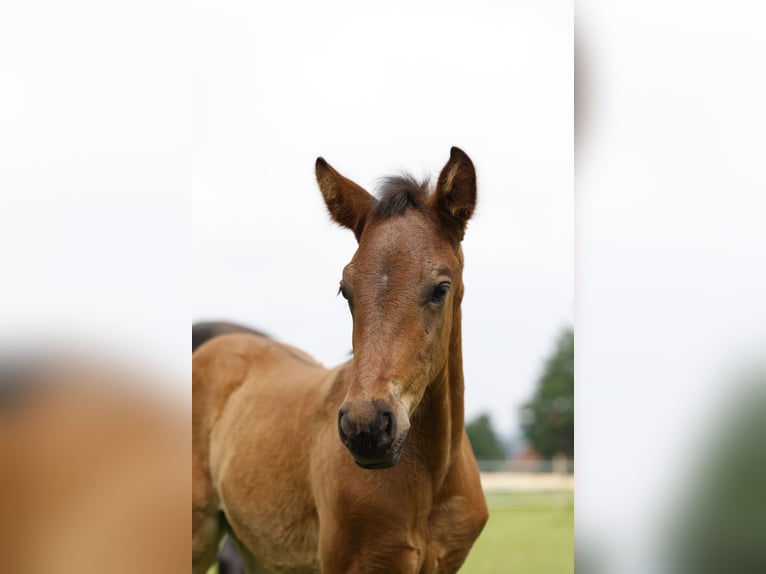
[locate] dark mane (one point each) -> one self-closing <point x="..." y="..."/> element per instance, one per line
<point x="397" y="193"/>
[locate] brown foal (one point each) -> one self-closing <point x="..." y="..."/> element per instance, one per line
<point x="365" y="467"/>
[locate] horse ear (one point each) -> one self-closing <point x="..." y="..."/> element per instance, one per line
<point x="347" y="202"/>
<point x="455" y="196"/>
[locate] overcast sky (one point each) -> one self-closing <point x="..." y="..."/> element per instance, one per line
<point x="375" y="91"/>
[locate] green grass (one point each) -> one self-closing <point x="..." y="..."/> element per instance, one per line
<point x="527" y="533"/>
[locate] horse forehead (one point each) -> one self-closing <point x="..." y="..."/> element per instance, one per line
<point x="402" y="243"/>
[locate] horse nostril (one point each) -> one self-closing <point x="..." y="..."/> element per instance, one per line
<point x="343" y="423"/>
<point x="388" y="423"/>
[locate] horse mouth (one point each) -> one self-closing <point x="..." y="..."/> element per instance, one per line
<point x="389" y="460"/>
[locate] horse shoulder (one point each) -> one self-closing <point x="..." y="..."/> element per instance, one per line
<point x="219" y="367"/>
<point x="459" y="512"/>
<point x="261" y="413"/>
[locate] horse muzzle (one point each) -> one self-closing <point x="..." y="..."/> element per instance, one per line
<point x="372" y="432"/>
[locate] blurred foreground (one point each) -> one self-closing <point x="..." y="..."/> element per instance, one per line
<point x="670" y="283"/>
<point x="94" y="473"/>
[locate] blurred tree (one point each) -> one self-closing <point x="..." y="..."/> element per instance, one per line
<point x="548" y="417"/>
<point x="483" y="438"/>
<point x="721" y="526"/>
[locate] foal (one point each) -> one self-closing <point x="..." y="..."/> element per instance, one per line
<point x="365" y="467"/>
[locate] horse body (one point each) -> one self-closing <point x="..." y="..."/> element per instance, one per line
<point x="267" y="420"/>
<point x="242" y="465"/>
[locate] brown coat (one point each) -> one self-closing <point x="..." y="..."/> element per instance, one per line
<point x="365" y="467"/>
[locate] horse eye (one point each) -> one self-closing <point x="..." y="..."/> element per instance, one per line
<point x="440" y="292"/>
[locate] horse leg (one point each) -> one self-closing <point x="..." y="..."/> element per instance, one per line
<point x="206" y="536"/>
<point x="233" y="558"/>
<point x="454" y="524"/>
<point x="458" y="516"/>
<point x="207" y="526"/>
<point x="370" y="560"/>
<point x="367" y="549"/>
<point x="229" y="558"/>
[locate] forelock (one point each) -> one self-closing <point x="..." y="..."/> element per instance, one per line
<point x="398" y="193"/>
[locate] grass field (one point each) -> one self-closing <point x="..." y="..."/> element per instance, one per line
<point x="527" y="533"/>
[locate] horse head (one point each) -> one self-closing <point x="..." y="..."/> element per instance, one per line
<point x="404" y="287"/>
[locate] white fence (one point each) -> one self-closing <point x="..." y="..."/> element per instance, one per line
<point x="527" y="475"/>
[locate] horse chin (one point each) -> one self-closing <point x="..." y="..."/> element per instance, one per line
<point x="376" y="465"/>
<point x="390" y="460"/>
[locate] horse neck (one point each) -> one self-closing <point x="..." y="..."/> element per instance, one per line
<point x="439" y="419"/>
